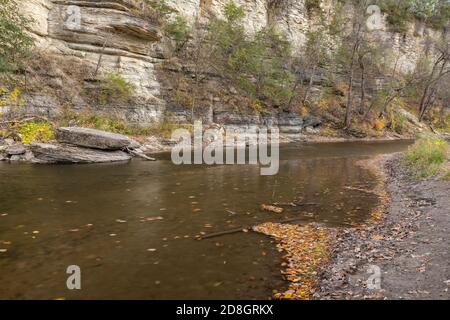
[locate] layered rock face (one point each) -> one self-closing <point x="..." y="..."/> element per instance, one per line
<point x="56" y="153"/>
<point x="290" y="16"/>
<point x="96" y="139"/>
<point x="108" y="37"/>
<point x="293" y="19"/>
<point x="114" y="36"/>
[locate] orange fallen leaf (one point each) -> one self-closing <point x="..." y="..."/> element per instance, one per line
<point x="267" y="207"/>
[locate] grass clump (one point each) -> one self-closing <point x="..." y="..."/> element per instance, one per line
<point x="426" y="156"/>
<point x="447" y="176"/>
<point x="115" y="89"/>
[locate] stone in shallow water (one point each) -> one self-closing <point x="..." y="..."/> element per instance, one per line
<point x="91" y="138"/>
<point x="15" y="158"/>
<point x="58" y="153"/>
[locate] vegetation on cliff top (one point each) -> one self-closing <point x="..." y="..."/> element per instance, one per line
<point x="401" y="13"/>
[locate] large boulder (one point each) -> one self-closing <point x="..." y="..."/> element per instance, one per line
<point x="57" y="153"/>
<point x="290" y="129"/>
<point x="311" y="121"/>
<point x="16" y="150"/>
<point x="289" y="119"/>
<point x="91" y="138"/>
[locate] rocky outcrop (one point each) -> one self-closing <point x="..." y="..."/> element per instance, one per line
<point x="102" y="37"/>
<point x="59" y="153"/>
<point x="15" y="150"/>
<point x="116" y="36"/>
<point x="88" y="29"/>
<point x="74" y="145"/>
<point x="96" y="139"/>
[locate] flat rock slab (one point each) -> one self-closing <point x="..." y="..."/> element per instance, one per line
<point x="91" y="138"/>
<point x="16" y="149"/>
<point x="58" y="153"/>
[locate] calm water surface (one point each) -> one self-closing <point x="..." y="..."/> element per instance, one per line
<point x="131" y="227"/>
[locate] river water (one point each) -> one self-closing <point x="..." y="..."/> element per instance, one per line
<point x="131" y="227"/>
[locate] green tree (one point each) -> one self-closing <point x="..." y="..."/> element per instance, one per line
<point x="15" y="42"/>
<point x="315" y="54"/>
<point x="400" y="13"/>
<point x="179" y="31"/>
<point x="257" y="64"/>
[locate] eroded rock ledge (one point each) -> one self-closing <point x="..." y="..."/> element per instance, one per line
<point x="95" y="139"/>
<point x="59" y="153"/>
<point x="73" y="145"/>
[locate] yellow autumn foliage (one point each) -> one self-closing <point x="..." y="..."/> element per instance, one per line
<point x="379" y="124"/>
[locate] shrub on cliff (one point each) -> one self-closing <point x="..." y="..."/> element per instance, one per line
<point x="257" y="64"/>
<point x="312" y="5"/>
<point x="178" y="30"/>
<point x="400" y="13"/>
<point x="115" y="89"/>
<point x="36" y="132"/>
<point x="15" y="43"/>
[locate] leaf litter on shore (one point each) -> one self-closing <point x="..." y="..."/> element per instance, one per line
<point x="306" y="249"/>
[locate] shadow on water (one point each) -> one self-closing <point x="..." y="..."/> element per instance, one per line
<point x="131" y="227"/>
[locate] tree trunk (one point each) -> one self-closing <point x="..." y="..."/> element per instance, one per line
<point x="363" y="88"/>
<point x="348" y="111"/>
<point x="311" y="81"/>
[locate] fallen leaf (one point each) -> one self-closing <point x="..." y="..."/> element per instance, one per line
<point x="267" y="207"/>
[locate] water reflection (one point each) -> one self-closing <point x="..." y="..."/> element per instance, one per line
<point x="131" y="227"/>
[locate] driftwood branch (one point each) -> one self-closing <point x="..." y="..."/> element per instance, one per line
<point x="140" y="155"/>
<point x="295" y="204"/>
<point x="243" y="229"/>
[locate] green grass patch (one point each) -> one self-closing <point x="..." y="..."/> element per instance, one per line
<point x="447" y="176"/>
<point x="426" y="156"/>
<point x="111" y="123"/>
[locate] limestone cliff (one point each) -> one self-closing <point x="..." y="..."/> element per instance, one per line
<point x="115" y="36"/>
<point x="103" y="36"/>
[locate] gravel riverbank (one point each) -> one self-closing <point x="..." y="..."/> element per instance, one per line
<point x="404" y="252"/>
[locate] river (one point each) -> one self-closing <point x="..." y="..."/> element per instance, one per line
<point x="131" y="227"/>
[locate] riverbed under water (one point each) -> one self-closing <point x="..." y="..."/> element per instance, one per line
<point x="131" y="227"/>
